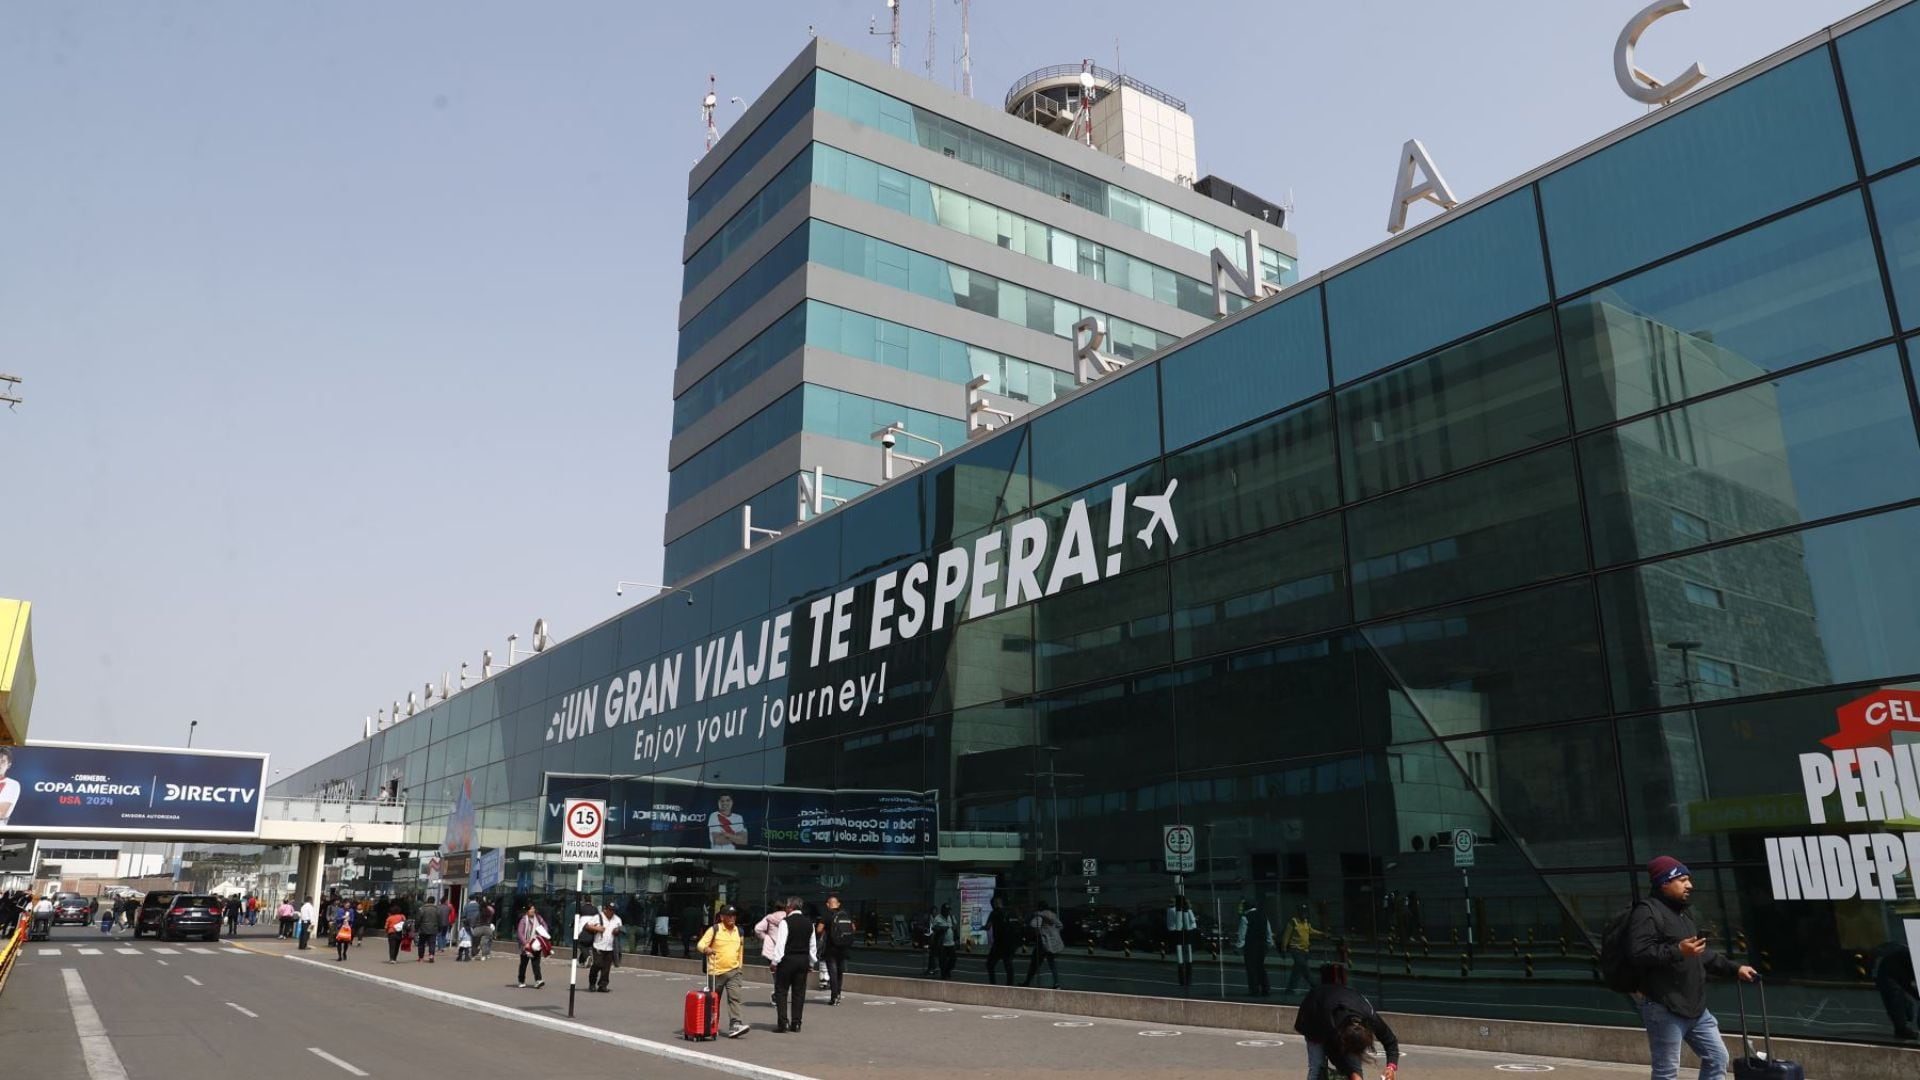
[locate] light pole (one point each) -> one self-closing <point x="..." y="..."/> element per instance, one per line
<point x="191" y="724"/>
<point x="1053" y="791"/>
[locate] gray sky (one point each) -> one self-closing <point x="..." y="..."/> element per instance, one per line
<point x="348" y="328"/>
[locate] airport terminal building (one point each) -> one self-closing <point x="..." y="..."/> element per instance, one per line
<point x="1436" y="595"/>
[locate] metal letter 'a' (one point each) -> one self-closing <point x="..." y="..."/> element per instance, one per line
<point x="1414" y="158"/>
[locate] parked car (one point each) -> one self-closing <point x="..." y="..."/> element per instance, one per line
<point x="72" y="909"/>
<point x="150" y="917"/>
<point x="191" y="915"/>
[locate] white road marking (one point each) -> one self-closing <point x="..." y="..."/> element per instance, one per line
<point x="1524" y="1068"/>
<point x="166" y="952"/>
<point x="49" y="952"/>
<point x="1259" y="1042"/>
<point x="936" y="1008"/>
<point x="202" y="952"/>
<point x="680" y="1054"/>
<point x="162" y="963"/>
<point x="88" y="952"/>
<point x="243" y="1011"/>
<point x="999" y="1016"/>
<point x="193" y="980"/>
<point x="1159" y="1033"/>
<point x="128" y="952"/>
<point x="95" y="1048"/>
<point x="1073" y="1023"/>
<point x="324" y="1056"/>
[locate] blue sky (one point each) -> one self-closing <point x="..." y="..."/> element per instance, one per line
<point x="348" y="328"/>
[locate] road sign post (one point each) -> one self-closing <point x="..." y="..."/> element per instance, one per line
<point x="583" y="837"/>
<point x="1176" y="843"/>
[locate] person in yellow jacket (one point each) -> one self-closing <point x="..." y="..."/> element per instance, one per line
<point x="721" y="946"/>
<point x="1297" y="942"/>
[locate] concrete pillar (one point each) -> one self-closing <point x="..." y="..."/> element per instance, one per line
<point x="312" y="860"/>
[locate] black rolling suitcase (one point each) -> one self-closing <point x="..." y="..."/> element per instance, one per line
<point x="1761" y="1066"/>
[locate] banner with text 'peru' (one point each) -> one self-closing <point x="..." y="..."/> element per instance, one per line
<point x="71" y="788"/>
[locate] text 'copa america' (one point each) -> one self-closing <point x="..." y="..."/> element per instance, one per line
<point x="1024" y="561"/>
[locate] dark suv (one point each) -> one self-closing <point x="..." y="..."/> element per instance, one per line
<point x="191" y="914"/>
<point x="153" y="909"/>
<point x="72" y="909"/>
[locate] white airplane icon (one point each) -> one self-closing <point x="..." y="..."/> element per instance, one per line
<point x="1161" y="507"/>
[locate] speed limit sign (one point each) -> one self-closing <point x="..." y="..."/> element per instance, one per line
<point x="583" y="830"/>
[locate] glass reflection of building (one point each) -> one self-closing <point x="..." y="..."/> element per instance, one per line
<point x="1568" y="520"/>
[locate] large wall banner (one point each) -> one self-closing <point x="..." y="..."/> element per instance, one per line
<point x="77" y="789"/>
<point x="661" y="813"/>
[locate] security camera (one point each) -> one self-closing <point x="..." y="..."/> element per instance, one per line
<point x="689" y="599"/>
<point x="617" y="592"/>
<point x="887" y="439"/>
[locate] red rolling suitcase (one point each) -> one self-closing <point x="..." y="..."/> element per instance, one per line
<point x="703" y="1014"/>
<point x="1761" y="1066"/>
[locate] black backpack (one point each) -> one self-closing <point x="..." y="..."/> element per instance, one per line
<point x="1617" y="968"/>
<point x="840" y="929"/>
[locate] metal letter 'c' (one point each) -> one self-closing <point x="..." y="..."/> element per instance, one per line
<point x="1637" y="84"/>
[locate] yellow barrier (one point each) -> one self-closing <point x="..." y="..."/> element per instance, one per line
<point x="10" y="950"/>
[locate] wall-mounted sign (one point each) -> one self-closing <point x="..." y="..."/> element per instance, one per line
<point x="583" y="831"/>
<point x="74" y="789"/>
<point x="666" y="814"/>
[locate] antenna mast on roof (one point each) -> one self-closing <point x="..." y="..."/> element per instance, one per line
<point x="893" y="35"/>
<point x="706" y="112"/>
<point x="966" y="47"/>
<point x="933" y="10"/>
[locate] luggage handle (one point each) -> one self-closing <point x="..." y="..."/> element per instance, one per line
<point x="1766" y="1021"/>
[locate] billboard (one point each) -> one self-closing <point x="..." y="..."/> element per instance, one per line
<point x="76" y="789"/>
<point x="661" y="813"/>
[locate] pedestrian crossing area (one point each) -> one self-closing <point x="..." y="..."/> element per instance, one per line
<point x="130" y="950"/>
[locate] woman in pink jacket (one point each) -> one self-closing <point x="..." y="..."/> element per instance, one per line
<point x="536" y="941"/>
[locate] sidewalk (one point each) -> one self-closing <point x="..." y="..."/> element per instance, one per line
<point x="871" y="1036"/>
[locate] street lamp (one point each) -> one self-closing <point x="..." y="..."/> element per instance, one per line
<point x="191" y="724"/>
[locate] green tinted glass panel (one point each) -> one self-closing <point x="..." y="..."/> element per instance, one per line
<point x="1896" y="208"/>
<point x="1818" y="443"/>
<point x="1467" y="273"/>
<point x="1493" y="395"/>
<point x="1758" y="148"/>
<point x="1877" y="60"/>
<point x="1788" y="292"/>
<point x="1281" y="584"/>
<point x="1262" y="475"/>
<point x="1264" y="362"/>
<point x="1495" y="528"/>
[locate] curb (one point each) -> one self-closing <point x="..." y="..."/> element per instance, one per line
<point x="507" y="1012"/>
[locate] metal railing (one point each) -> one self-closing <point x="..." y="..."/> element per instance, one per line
<point x="334" y="811"/>
<point x="1108" y="79"/>
<point x="10" y="947"/>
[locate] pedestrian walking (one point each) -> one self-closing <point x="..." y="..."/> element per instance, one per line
<point x="1255" y="937"/>
<point x="428" y="925"/>
<point x="287" y="916"/>
<point x="232" y="909"/>
<point x="1048" y="945"/>
<point x="483" y="933"/>
<point x="343" y="930"/>
<point x="309" y="917"/>
<point x="536" y="941"/>
<point x="839" y="937"/>
<point x="1297" y="943"/>
<point x="606" y="947"/>
<point x="1003" y="938"/>
<point x="1181" y="925"/>
<point x="796" y="950"/>
<point x="1670" y="962"/>
<point x="1340" y="1026"/>
<point x="764" y="930"/>
<point x="945" y="935"/>
<point x="662" y="933"/>
<point x="721" y="945"/>
<point x="396" y="933"/>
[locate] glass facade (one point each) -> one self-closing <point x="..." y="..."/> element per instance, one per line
<point x="1588" y="556"/>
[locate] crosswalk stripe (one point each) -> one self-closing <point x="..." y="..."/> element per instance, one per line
<point x="88" y="952"/>
<point x="202" y="952"/>
<point x="167" y="952"/>
<point x="49" y="952"/>
<point x="128" y="952"/>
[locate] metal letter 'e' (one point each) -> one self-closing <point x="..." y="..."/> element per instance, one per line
<point x="1637" y="84"/>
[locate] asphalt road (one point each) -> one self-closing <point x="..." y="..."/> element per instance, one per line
<point x="87" y="1007"/>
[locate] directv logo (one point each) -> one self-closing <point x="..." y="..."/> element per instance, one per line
<point x="199" y="793"/>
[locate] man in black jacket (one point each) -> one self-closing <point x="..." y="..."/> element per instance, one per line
<point x="1673" y="961"/>
<point x="840" y="929"/>
<point x="1340" y="1027"/>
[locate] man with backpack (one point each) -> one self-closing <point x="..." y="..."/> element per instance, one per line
<point x="1654" y="952"/>
<point x="1340" y="1027"/>
<point x="839" y="935"/>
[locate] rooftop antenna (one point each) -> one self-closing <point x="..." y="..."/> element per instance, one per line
<point x="933" y="10"/>
<point x="1085" y="120"/>
<point x="893" y="35"/>
<point x="966" y="47"/>
<point x="706" y="112"/>
<point x="7" y="392"/>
